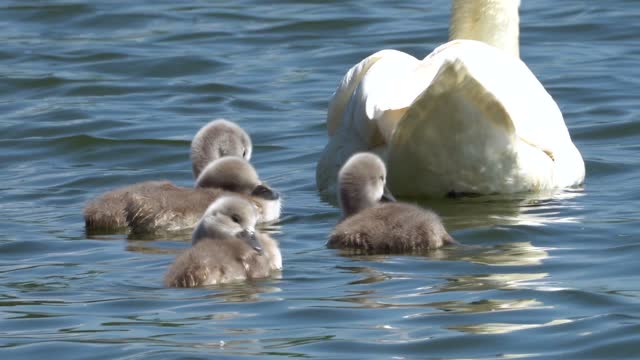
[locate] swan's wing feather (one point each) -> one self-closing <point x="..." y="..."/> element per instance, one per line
<point x="536" y="117"/>
<point x="468" y="131"/>
<point x="366" y="85"/>
<point x="358" y="104"/>
<point x="345" y="89"/>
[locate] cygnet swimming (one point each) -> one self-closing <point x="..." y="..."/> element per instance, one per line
<point x="217" y="139"/>
<point x="225" y="248"/>
<point x="374" y="227"/>
<point x="169" y="207"/>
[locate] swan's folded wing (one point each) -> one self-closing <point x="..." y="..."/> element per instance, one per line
<point x="367" y="85"/>
<point x="345" y="89"/>
<point x="536" y="117"/>
<point x="485" y="124"/>
<point x="358" y="106"/>
<point x="457" y="135"/>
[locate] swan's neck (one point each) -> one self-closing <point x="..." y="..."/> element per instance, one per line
<point x="495" y="22"/>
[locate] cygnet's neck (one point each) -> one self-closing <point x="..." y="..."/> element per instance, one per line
<point x="495" y="22"/>
<point x="353" y="201"/>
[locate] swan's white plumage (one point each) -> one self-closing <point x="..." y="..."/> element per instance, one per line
<point x="470" y="117"/>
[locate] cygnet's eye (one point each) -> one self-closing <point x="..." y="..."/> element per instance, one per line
<point x="235" y="218"/>
<point x="381" y="178"/>
<point x="244" y="153"/>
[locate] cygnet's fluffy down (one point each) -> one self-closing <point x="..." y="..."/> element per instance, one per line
<point x="160" y="205"/>
<point x="225" y="248"/>
<point x="174" y="208"/>
<point x="217" y="139"/>
<point x="374" y="227"/>
<point x="108" y="211"/>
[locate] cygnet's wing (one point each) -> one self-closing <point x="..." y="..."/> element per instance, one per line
<point x="391" y="228"/>
<point x="216" y="261"/>
<point x="206" y="263"/>
<point x="107" y="212"/>
<point x="165" y="208"/>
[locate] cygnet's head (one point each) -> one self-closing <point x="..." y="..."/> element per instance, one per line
<point x="362" y="183"/>
<point x="228" y="217"/>
<point x="217" y="139"/>
<point x="234" y="174"/>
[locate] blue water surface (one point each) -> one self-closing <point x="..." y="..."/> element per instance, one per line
<point x="99" y="94"/>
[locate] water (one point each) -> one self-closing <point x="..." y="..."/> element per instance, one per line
<point x="98" y="95"/>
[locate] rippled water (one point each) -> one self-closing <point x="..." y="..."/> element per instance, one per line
<point x="98" y="95"/>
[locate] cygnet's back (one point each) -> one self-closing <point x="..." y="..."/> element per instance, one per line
<point x="217" y="139"/>
<point x="374" y="227"/>
<point x="108" y="211"/>
<point x="225" y="248"/>
<point x="167" y="209"/>
<point x="179" y="208"/>
<point x="391" y="228"/>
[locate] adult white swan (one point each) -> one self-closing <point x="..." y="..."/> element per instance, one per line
<point x="469" y="118"/>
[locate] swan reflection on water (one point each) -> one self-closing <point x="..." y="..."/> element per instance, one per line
<point x="473" y="211"/>
<point x="503" y="328"/>
<point x="506" y="210"/>
<point x="435" y="286"/>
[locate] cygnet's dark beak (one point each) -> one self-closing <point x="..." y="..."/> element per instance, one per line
<point x="250" y="238"/>
<point x="387" y="196"/>
<point x="265" y="192"/>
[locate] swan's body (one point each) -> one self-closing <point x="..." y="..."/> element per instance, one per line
<point x="374" y="227"/>
<point x="469" y="118"/>
<point x="225" y="248"/>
